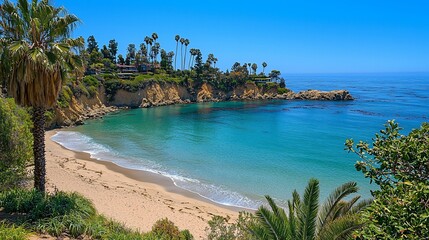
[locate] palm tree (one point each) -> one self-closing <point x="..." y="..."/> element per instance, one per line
<point x="250" y="70"/>
<point x="335" y="219"/>
<point x="186" y="42"/>
<point x="154" y="36"/>
<point x="177" y="37"/>
<point x="264" y="65"/>
<point x="41" y="53"/>
<point x="182" y="41"/>
<point x="254" y="68"/>
<point x="147" y="40"/>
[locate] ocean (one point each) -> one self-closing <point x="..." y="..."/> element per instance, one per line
<point x="234" y="153"/>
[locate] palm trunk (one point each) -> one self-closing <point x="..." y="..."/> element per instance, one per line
<point x="175" y="57"/>
<point x="184" y="59"/>
<point x="39" y="148"/>
<point x="181" y="57"/>
<point x="189" y="64"/>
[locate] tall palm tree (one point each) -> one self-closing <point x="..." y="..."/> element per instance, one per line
<point x="182" y="41"/>
<point x="154" y="37"/>
<point x="41" y="53"/>
<point x="335" y="219"/>
<point x="193" y="53"/>
<point x="254" y="68"/>
<point x="186" y="42"/>
<point x="177" y="37"/>
<point x="264" y="65"/>
<point x="147" y="40"/>
<point x="157" y="46"/>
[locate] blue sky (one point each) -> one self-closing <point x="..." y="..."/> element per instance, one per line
<point x="331" y="36"/>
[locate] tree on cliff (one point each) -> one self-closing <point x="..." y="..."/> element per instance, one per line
<point x="113" y="49"/>
<point x="41" y="53"/>
<point x="182" y="41"/>
<point x="264" y="65"/>
<point x="254" y="67"/>
<point x="177" y="38"/>
<point x="92" y="44"/>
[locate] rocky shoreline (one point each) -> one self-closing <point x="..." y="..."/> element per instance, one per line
<point x="162" y="94"/>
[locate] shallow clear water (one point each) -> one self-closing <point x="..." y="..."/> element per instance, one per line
<point x="236" y="152"/>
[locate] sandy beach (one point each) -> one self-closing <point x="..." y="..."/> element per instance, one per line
<point x="136" y="198"/>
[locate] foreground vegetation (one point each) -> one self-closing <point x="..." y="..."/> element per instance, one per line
<point x="398" y="164"/>
<point x="69" y="214"/>
<point x="38" y="57"/>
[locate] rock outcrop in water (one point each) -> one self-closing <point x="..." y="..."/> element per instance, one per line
<point x="163" y="93"/>
<point x="336" y="95"/>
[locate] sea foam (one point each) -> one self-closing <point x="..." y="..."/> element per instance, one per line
<point x="79" y="142"/>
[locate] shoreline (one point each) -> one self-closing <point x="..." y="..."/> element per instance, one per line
<point x="136" y="198"/>
<point x="151" y="177"/>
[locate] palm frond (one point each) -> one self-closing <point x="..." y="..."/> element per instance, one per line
<point x="346" y="206"/>
<point x="39" y="50"/>
<point x="340" y="228"/>
<point x="307" y="214"/>
<point x="333" y="199"/>
<point x="361" y="205"/>
<point x="274" y="226"/>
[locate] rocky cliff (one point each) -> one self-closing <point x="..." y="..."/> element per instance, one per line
<point x="162" y="93"/>
<point x="159" y="94"/>
<point x="79" y="109"/>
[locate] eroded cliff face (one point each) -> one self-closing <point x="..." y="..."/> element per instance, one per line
<point x="159" y="94"/>
<point x="154" y="94"/>
<point x="81" y="108"/>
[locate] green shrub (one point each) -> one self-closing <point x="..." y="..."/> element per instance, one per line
<point x="20" y="200"/>
<point x="112" y="86"/>
<point x="67" y="214"/>
<point x="398" y="213"/>
<point x="165" y="229"/>
<point x="91" y="81"/>
<point x="220" y="229"/>
<point x="11" y="232"/>
<point x="81" y="89"/>
<point x="270" y="85"/>
<point x="398" y="164"/>
<point x="15" y="144"/>
<point x="282" y="90"/>
<point x="34" y="205"/>
<point x="92" y="90"/>
<point x="65" y="97"/>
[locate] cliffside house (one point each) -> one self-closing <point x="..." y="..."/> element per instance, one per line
<point x="126" y="71"/>
<point x="261" y="79"/>
<point x="126" y="68"/>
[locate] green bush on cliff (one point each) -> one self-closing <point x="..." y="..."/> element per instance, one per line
<point x="91" y="81"/>
<point x="15" y="143"/>
<point x="111" y="86"/>
<point x="65" y="97"/>
<point x="282" y="90"/>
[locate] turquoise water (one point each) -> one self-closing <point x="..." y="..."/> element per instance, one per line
<point x="234" y="153"/>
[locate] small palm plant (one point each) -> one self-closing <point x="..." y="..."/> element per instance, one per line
<point x="335" y="219"/>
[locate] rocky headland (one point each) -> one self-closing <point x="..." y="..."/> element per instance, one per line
<point x="156" y="93"/>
